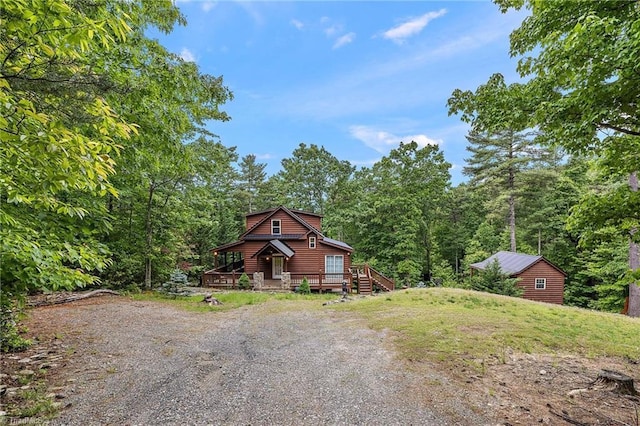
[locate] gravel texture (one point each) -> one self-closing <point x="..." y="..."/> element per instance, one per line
<point x="144" y="363"/>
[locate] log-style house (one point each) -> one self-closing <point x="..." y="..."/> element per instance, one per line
<point x="541" y="280"/>
<point x="281" y="247"/>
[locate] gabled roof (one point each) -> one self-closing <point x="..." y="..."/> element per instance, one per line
<point x="512" y="263"/>
<point x="273" y="212"/>
<point x="310" y="229"/>
<point x="276" y="208"/>
<point x="278" y="246"/>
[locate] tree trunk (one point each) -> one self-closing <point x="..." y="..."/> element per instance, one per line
<point x="148" y="240"/>
<point x="512" y="222"/>
<point x="615" y="382"/>
<point x="634" y="260"/>
<point x="512" y="198"/>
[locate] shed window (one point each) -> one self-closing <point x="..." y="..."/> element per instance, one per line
<point x="276" y="228"/>
<point x="541" y="283"/>
<point x="312" y="242"/>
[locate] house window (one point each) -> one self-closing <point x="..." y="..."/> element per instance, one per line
<point x="334" y="264"/>
<point x="276" y="229"/>
<point x="541" y="283"/>
<point x="312" y="242"/>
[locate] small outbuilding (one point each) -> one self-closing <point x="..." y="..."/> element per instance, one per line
<point x="541" y="280"/>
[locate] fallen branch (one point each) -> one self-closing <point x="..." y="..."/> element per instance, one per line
<point x="57" y="299"/>
<point x="567" y="419"/>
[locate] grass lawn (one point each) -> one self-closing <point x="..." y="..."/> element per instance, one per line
<point x="442" y="324"/>
<point x="236" y="299"/>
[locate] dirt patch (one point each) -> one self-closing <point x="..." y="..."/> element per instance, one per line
<point x="556" y="389"/>
<point x="168" y="361"/>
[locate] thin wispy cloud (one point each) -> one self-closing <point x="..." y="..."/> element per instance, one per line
<point x="208" y="5"/>
<point x="353" y="92"/>
<point x="187" y="55"/>
<point x="344" y="40"/>
<point x="252" y="9"/>
<point x="410" y="28"/>
<point x="265" y="156"/>
<point x="332" y="30"/>
<point x="298" y="24"/>
<point x="383" y="142"/>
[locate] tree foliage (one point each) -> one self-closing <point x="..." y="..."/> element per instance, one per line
<point x="312" y="178"/>
<point x="85" y="98"/>
<point x="493" y="280"/>
<point x="580" y="62"/>
<point x="396" y="213"/>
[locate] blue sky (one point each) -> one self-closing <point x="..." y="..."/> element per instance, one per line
<point x="355" y="77"/>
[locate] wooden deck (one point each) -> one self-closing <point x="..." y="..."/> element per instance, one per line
<point x="363" y="279"/>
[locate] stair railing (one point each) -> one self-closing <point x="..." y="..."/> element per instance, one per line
<point x="386" y="283"/>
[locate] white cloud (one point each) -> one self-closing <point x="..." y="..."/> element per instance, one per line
<point x="344" y="40"/>
<point x="332" y="30"/>
<point x="299" y="25"/>
<point x="208" y="5"/>
<point x="383" y="142"/>
<point x="265" y="156"/>
<point x="187" y="55"/>
<point x="412" y="27"/>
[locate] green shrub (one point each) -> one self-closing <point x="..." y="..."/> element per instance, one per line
<point x="493" y="280"/>
<point x="175" y="286"/>
<point x="244" y="282"/>
<point x="10" y="337"/>
<point x="304" y="286"/>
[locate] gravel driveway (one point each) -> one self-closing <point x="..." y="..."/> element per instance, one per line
<point x="145" y="363"/>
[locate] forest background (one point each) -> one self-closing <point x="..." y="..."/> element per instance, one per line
<point x="109" y="177"/>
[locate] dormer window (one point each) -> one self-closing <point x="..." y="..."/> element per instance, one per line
<point x="312" y="242"/>
<point x="276" y="228"/>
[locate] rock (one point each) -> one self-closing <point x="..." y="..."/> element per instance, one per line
<point x="47" y="365"/>
<point x="575" y="392"/>
<point x="25" y="360"/>
<point x="38" y="356"/>
<point x="543" y="372"/>
<point x="26" y="372"/>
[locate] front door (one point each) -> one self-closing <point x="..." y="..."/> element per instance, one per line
<point x="277" y="266"/>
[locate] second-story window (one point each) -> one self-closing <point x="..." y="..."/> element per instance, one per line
<point x="312" y="242"/>
<point x="276" y="228"/>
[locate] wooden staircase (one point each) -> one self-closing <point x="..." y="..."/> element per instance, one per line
<point x="364" y="284"/>
<point x="368" y="280"/>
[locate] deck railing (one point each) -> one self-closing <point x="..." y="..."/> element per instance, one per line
<point x="377" y="278"/>
<point x="214" y="278"/>
<point x="322" y="281"/>
<point x="319" y="281"/>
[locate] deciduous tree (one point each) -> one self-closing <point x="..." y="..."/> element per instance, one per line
<point x="580" y="59"/>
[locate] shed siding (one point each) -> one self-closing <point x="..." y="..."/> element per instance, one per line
<point x="554" y="292"/>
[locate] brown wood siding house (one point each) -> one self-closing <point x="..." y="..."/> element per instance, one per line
<point x="282" y="242"/>
<point x="541" y="280"/>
